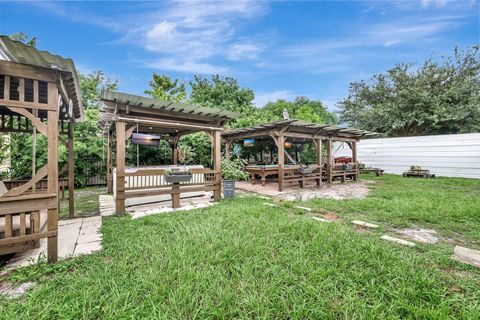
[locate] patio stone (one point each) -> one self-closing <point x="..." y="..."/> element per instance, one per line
<point x="321" y="219"/>
<point x="399" y="241"/>
<point x="87" y="248"/>
<point x="365" y="224"/>
<point x="466" y="255"/>
<point x="420" y="235"/>
<point x="269" y="204"/>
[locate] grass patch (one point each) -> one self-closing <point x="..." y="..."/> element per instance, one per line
<point x="241" y="259"/>
<point x="86" y="202"/>
<point x="448" y="205"/>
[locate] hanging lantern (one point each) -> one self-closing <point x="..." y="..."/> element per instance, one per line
<point x="145" y="139"/>
<point x="288" y="145"/>
<point x="248" y="142"/>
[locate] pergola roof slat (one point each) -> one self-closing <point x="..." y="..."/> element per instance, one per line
<point x="297" y="128"/>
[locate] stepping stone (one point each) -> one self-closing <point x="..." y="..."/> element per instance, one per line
<point x="420" y="235"/>
<point x="466" y="255"/>
<point x="365" y="224"/>
<point x="269" y="204"/>
<point x="321" y="219"/>
<point x="264" y="198"/>
<point x="13" y="291"/>
<point x="304" y="208"/>
<point x="399" y="241"/>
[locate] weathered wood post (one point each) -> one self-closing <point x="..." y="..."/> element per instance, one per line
<point x="328" y="146"/>
<point x="175" y="141"/>
<point x="355" y="159"/>
<point x="71" y="169"/>
<point x="281" y="160"/>
<point x="109" y="162"/>
<point x="217" y="164"/>
<point x="318" y="146"/>
<point x="52" y="169"/>
<point x="120" y="198"/>
<point x="228" y="149"/>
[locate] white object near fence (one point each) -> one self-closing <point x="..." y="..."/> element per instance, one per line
<point x="452" y="155"/>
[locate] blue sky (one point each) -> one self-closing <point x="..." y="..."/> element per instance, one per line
<point x="279" y="49"/>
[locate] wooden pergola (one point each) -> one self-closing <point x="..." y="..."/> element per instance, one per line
<point x="39" y="92"/>
<point x="293" y="131"/>
<point x="123" y="114"/>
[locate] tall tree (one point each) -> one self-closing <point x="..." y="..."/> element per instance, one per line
<point x="301" y="109"/>
<point x="437" y="97"/>
<point x="162" y="87"/>
<point x="221" y="92"/>
<point x="92" y="84"/>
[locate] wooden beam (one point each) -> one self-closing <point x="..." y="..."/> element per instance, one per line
<point x="318" y="146"/>
<point x="129" y="132"/>
<point x="281" y="161"/>
<point x="52" y="214"/>
<point x="120" y="194"/>
<point x="71" y="169"/>
<point x="109" y="163"/>
<point x="328" y="146"/>
<point x="19" y="190"/>
<point x="27" y="71"/>
<point x="217" y="164"/>
<point x="41" y="127"/>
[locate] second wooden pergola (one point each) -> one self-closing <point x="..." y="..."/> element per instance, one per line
<point x="318" y="134"/>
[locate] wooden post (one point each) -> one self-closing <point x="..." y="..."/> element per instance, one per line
<point x="217" y="165"/>
<point x="328" y="146"/>
<point x="120" y="198"/>
<point x="281" y="160"/>
<point x="228" y="149"/>
<point x="318" y="145"/>
<point x="261" y="152"/>
<point x="176" y="195"/>
<point x="109" y="163"/>
<point x="71" y="170"/>
<point x="175" y="150"/>
<point x="52" y="137"/>
<point x="355" y="160"/>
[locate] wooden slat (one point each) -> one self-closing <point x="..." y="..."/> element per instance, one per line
<point x="23" y="224"/>
<point x="8" y="226"/>
<point x="19" y="190"/>
<point x="28" y="237"/>
<point x="6" y="89"/>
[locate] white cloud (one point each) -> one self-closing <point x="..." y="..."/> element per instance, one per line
<point x="170" y="64"/>
<point x="190" y="35"/>
<point x="262" y="99"/>
<point x="242" y="51"/>
<point x="438" y="3"/>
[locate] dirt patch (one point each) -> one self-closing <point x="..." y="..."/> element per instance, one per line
<point x="337" y="191"/>
<point x="325" y="214"/>
<point x="13" y="291"/>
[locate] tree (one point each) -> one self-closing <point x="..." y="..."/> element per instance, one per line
<point x="163" y="88"/>
<point x="22" y="37"/>
<point x="301" y="109"/>
<point x="221" y="92"/>
<point x="92" y="84"/>
<point x="439" y="97"/>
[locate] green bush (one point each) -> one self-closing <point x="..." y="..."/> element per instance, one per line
<point x="233" y="169"/>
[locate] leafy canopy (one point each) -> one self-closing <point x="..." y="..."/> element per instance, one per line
<point x="438" y="97"/>
<point x="162" y="87"/>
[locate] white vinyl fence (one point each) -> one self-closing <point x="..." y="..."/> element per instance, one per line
<point x="453" y="155"/>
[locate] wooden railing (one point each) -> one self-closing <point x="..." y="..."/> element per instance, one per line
<point x="143" y="183"/>
<point x="22" y="220"/>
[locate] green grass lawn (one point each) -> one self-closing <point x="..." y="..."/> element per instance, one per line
<point x="86" y="202"/>
<point x="242" y="259"/>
